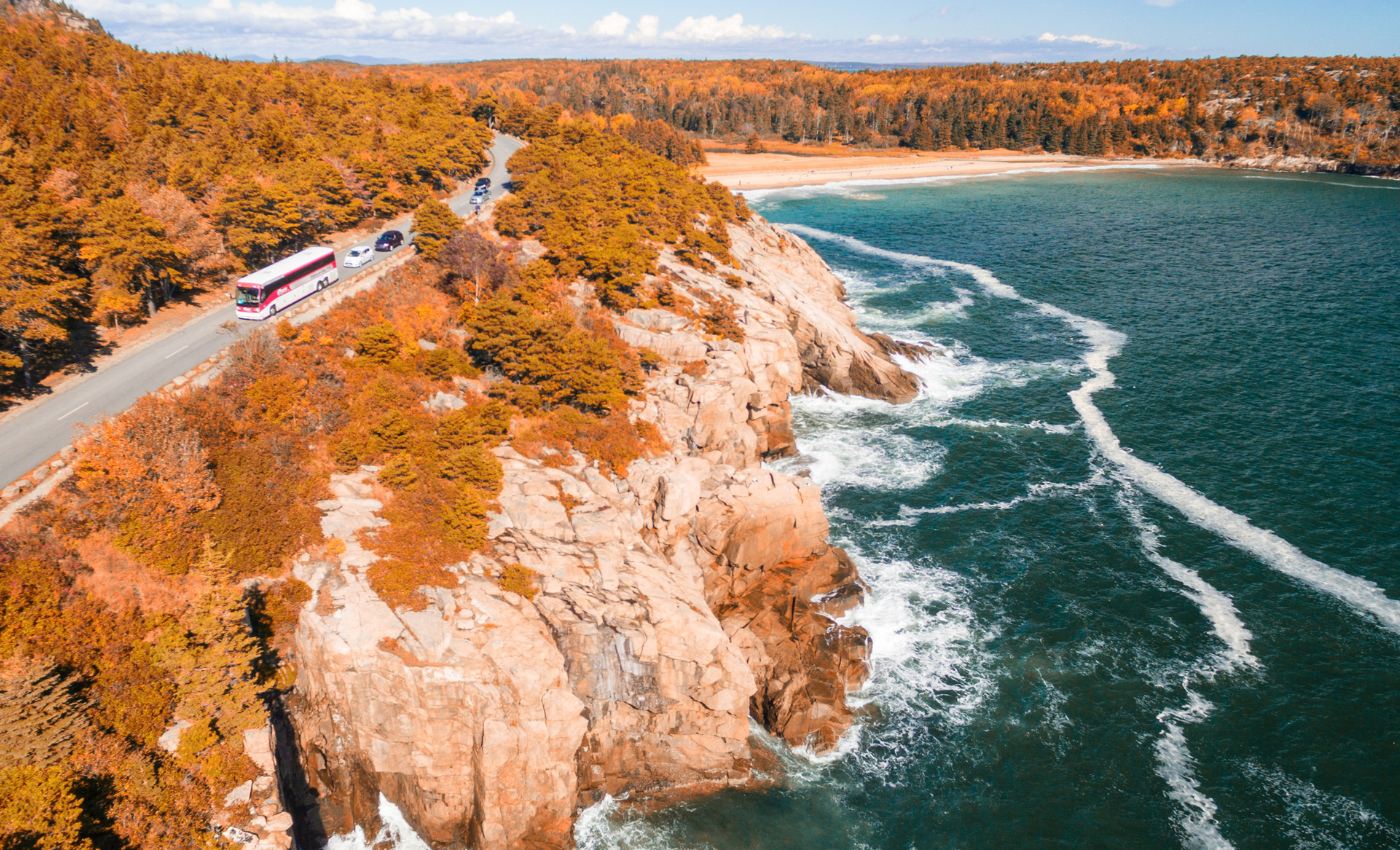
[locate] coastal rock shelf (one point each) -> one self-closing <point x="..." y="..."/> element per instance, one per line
<point x="673" y="602"/>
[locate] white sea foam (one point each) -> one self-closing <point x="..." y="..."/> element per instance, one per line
<point x="1176" y="766"/>
<point x="394" y="833"/>
<point x="851" y="187"/>
<point x="926" y="655"/>
<point x="856" y="457"/>
<point x="1217" y="607"/>
<point x="997" y="424"/>
<point x="1104" y="344"/>
<point x="1034" y="493"/>
<point x="602" y="826"/>
<point x="1336" y="183"/>
<point x="1316" y="818"/>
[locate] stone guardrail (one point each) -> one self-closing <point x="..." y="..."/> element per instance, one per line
<point x="44" y="478"/>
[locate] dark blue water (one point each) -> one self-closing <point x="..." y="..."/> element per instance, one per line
<point x="1134" y="557"/>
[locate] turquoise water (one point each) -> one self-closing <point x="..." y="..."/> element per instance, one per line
<point x="1133" y="554"/>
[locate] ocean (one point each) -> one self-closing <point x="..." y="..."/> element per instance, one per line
<point x="1133" y="556"/>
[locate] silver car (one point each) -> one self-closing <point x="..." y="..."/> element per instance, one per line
<point x="358" y="256"/>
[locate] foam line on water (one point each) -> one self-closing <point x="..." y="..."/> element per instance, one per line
<point x="1217" y="607"/>
<point x="1176" y="766"/>
<point x="1034" y="493"/>
<point x="1104" y="344"/>
<point x="1320" y="182"/>
<point x="845" y="186"/>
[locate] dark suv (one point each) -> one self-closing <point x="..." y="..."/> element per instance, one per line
<point x="388" y="240"/>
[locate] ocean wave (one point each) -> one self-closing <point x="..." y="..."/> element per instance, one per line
<point x="1104" y="344"/>
<point x="927" y="656"/>
<point x="1336" y="183"/>
<point x="394" y="832"/>
<point x="603" y="826"/>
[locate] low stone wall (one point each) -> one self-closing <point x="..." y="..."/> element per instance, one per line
<point x="42" y="479"/>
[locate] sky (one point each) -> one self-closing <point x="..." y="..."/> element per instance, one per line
<point x="886" y="31"/>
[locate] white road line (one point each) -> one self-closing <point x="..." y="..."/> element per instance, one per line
<point x="175" y="352"/>
<point x="73" y="411"/>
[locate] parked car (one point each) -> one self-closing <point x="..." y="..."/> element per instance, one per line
<point x="358" y="256"/>
<point x="388" y="240"/>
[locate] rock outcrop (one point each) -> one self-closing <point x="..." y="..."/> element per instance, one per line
<point x="673" y="602"/>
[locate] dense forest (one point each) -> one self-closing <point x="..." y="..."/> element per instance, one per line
<point x="155" y="584"/>
<point x="126" y="176"/>
<point x="1343" y="108"/>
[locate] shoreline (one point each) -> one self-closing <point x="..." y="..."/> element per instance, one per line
<point x="753" y="172"/>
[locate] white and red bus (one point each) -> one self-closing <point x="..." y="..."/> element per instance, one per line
<point x="285" y="282"/>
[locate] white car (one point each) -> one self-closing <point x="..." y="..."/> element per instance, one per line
<point x="358" y="256"/>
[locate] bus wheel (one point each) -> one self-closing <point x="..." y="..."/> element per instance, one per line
<point x="272" y="311"/>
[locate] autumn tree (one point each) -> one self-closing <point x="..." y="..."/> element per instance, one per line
<point x="126" y="250"/>
<point x="260" y="222"/>
<point x="434" y="224"/>
<point x="37" y="299"/>
<point x="148" y="471"/>
<point x="184" y="227"/>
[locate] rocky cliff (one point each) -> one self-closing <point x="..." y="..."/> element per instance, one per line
<point x="673" y="602"/>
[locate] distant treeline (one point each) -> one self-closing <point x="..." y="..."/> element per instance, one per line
<point x="126" y="175"/>
<point x="1343" y="108"/>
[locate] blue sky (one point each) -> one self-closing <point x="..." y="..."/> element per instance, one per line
<point x="893" y="31"/>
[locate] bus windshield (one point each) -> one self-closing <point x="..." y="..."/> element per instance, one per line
<point x="248" y="296"/>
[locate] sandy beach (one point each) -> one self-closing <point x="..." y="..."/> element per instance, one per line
<point x="742" y="171"/>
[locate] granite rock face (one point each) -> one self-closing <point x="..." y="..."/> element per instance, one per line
<point x="674" y="602"/>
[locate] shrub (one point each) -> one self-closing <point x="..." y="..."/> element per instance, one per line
<point x="398" y="582"/>
<point x="442" y="363"/>
<point x="347" y="453"/>
<point x="519" y="579"/>
<point x="721" y="321"/>
<point x="473" y="466"/>
<point x="379" y="343"/>
<point x="614" y="442"/>
<point x="465" y="520"/>
<point x="195" y="740"/>
<point x="392" y="432"/>
<point x="226" y="766"/>
<point x="399" y="473"/>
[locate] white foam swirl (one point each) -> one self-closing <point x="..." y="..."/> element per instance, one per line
<point x="1104" y="344"/>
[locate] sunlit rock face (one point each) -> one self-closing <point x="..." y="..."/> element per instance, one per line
<point x="673" y="602"/>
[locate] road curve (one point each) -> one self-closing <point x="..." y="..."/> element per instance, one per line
<point x="42" y="429"/>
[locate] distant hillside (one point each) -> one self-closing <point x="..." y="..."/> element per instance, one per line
<point x="1341" y="113"/>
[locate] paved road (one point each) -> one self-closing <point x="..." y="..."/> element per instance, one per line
<point x="42" y="430"/>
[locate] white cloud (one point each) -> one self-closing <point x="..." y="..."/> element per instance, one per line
<point x="732" y="28"/>
<point x="1089" y="39"/>
<point x="1162" y="3"/>
<point x="402" y="33"/>
<point x="610" y="25"/>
